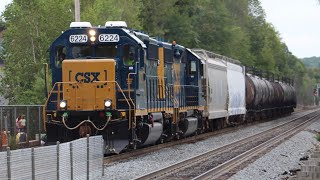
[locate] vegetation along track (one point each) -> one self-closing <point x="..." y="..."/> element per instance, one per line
<point x="223" y="162"/>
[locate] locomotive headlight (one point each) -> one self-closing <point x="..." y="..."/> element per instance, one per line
<point x="107" y="103"/>
<point x="92" y="32"/>
<point x="92" y="38"/>
<point x="63" y="104"/>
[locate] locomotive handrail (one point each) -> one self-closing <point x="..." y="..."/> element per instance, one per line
<point x="123" y="96"/>
<point x="46" y="103"/>
<point x="129" y="94"/>
<point x="58" y="92"/>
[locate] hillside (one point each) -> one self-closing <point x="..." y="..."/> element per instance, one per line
<point x="311" y="62"/>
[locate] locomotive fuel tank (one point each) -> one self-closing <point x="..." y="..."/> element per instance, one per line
<point x="189" y="125"/>
<point x="152" y="132"/>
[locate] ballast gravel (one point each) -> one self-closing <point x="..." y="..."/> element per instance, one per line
<point x="278" y="162"/>
<point x="140" y="165"/>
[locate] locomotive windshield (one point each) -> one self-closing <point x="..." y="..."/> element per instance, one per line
<point x="100" y="51"/>
<point x="81" y="52"/>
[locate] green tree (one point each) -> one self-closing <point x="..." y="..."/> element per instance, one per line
<point x="31" y="27"/>
<point x="99" y="11"/>
<point x="236" y="29"/>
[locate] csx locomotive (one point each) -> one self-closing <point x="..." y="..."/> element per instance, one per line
<point x="136" y="90"/>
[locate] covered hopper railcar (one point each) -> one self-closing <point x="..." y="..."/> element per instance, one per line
<point x="136" y="90"/>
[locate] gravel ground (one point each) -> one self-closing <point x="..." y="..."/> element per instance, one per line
<point x="141" y="165"/>
<point x="283" y="158"/>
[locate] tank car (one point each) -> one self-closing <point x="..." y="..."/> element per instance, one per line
<point x="268" y="97"/>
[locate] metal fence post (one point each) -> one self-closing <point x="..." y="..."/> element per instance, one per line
<point x="14" y="119"/>
<point x="1" y="130"/>
<point x="28" y="125"/>
<point x="58" y="154"/>
<point x="39" y="117"/>
<point x="71" y="160"/>
<point x="103" y="149"/>
<point x="8" y="163"/>
<point x="88" y="157"/>
<point x="6" y="128"/>
<point x="33" y="164"/>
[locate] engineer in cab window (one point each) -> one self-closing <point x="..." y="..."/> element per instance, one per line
<point x="61" y="57"/>
<point x="129" y="56"/>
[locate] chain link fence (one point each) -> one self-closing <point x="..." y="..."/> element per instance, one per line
<point x="8" y="131"/>
<point x="79" y="159"/>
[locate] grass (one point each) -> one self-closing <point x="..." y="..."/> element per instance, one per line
<point x="13" y="143"/>
<point x="318" y="137"/>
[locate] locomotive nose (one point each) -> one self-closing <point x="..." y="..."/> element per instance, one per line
<point x="89" y="84"/>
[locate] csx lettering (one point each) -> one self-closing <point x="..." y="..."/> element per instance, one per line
<point x="87" y="77"/>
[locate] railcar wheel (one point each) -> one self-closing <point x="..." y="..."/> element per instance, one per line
<point x="178" y="136"/>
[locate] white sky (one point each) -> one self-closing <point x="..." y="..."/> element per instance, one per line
<point x="3" y="4"/>
<point x="297" y="21"/>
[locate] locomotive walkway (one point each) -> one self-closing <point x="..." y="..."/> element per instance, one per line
<point x="223" y="162"/>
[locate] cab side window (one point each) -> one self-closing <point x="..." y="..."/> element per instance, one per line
<point x="192" y="67"/>
<point x="60" y="56"/>
<point x="128" y="55"/>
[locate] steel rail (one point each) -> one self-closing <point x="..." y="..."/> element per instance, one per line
<point x="220" y="170"/>
<point x="134" y="153"/>
<point x="202" y="157"/>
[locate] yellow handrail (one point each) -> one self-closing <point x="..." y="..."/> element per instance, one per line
<point x="123" y="96"/>
<point x="59" y="84"/>
<point x="129" y="93"/>
<point x="47" y="100"/>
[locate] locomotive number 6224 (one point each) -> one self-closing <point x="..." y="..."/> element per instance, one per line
<point x="109" y="38"/>
<point x="81" y="38"/>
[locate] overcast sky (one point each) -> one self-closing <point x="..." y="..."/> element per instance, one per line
<point x="3" y="4"/>
<point x="297" y="21"/>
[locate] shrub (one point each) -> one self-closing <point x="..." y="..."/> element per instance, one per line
<point x="318" y="137"/>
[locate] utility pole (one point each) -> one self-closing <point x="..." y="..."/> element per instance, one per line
<point x="77" y="10"/>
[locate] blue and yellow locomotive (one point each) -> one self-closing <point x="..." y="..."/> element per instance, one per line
<point x="133" y="89"/>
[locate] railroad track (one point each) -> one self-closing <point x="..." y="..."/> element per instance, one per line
<point x="134" y="153"/>
<point x="223" y="162"/>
